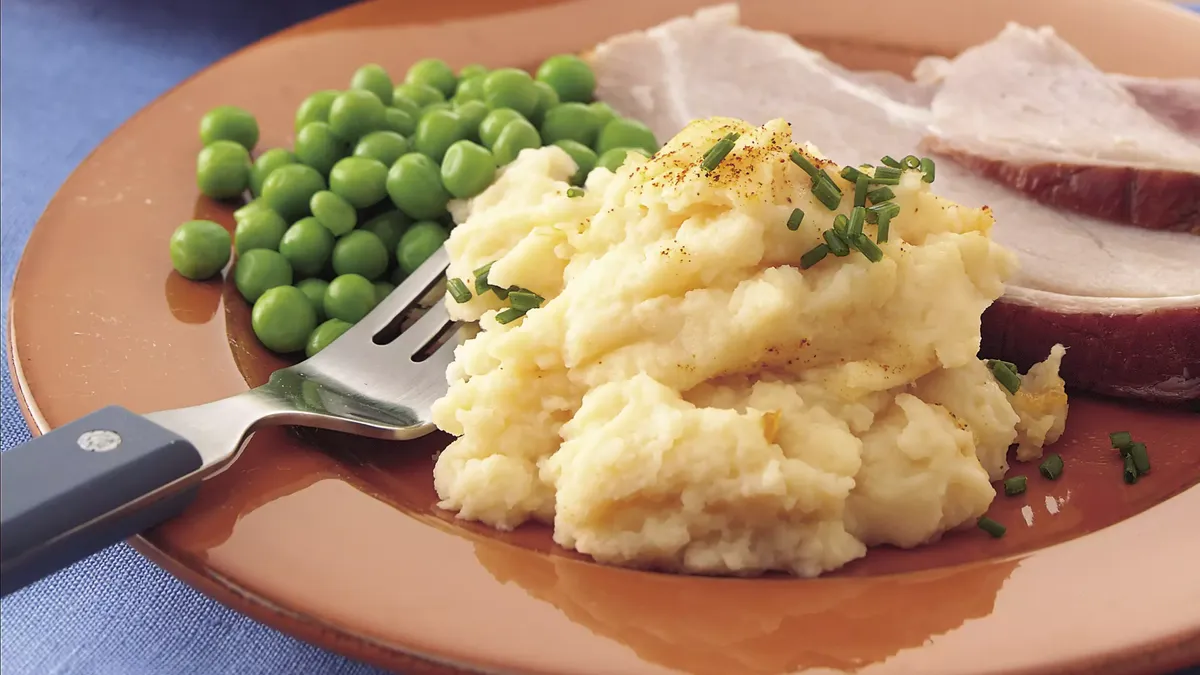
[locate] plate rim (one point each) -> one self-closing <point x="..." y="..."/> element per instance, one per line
<point x="1179" y="649"/>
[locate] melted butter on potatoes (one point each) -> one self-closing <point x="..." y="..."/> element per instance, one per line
<point x="688" y="398"/>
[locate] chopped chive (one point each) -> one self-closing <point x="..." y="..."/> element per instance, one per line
<point x="1007" y="377"/>
<point x="501" y="293"/>
<point x="912" y="162"/>
<point x="574" y="192"/>
<point x="717" y="153"/>
<point x="880" y="195"/>
<point x="1141" y="460"/>
<point x="1007" y="364"/>
<point x="886" y="175"/>
<point x="890" y="207"/>
<point x="794" y="220"/>
<point x="928" y="169"/>
<point x="837" y="245"/>
<point x="852" y="174"/>
<point x="991" y="527"/>
<point x="816" y="255"/>
<point x="509" y="315"/>
<point x="525" y="300"/>
<point x="885" y="227"/>
<point x="841" y="225"/>
<point x="888" y="161"/>
<point x="867" y="247"/>
<point x="827" y="193"/>
<point x="824" y="176"/>
<point x="458" y="290"/>
<point x="481" y="279"/>
<point x="1015" y="485"/>
<point x="801" y="161"/>
<point x="858" y="215"/>
<point x="1131" y="472"/>
<point x="860" y="190"/>
<point x="1121" y="440"/>
<point x="1052" y="466"/>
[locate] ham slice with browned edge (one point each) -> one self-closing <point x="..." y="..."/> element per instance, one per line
<point x="1124" y="300"/>
<point x="1027" y="110"/>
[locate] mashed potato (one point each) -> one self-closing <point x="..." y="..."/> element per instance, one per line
<point x="689" y="399"/>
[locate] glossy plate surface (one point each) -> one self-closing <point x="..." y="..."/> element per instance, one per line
<point x="337" y="540"/>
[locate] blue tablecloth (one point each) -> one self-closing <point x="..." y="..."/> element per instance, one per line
<point x="72" y="71"/>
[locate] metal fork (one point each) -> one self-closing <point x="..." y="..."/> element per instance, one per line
<point x="112" y="474"/>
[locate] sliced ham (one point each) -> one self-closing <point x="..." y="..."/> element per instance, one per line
<point x="1174" y="102"/>
<point x="1027" y="110"/>
<point x="1098" y="287"/>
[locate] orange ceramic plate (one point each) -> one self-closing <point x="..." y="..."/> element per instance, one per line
<point x="338" y="541"/>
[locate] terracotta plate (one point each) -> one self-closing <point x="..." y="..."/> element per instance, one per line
<point x="338" y="541"/>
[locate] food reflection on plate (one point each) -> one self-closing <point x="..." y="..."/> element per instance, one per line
<point x="757" y="627"/>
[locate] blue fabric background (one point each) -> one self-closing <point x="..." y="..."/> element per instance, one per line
<point x="72" y="71"/>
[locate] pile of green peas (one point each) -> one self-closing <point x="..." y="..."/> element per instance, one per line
<point x="360" y="201"/>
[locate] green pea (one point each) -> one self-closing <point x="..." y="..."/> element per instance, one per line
<point x="373" y="78"/>
<point x="419" y="242"/>
<point x="613" y="159"/>
<point x="434" y="73"/>
<point x="314" y="289"/>
<point x="399" y="121"/>
<point x="333" y="212"/>
<point x="516" y="136"/>
<point x="547" y="100"/>
<point x="355" y="114"/>
<point x="570" y="121"/>
<point x="199" y="249"/>
<point x="382" y="290"/>
<point x="306" y="245"/>
<point x="440" y="105"/>
<point x="467" y="169"/>
<point x="319" y="147"/>
<point x="585" y="159"/>
<point x="416" y="94"/>
<point x="349" y="297"/>
<point x="248" y="208"/>
<point x="415" y="185"/>
<point x="604" y="113"/>
<point x="469" y="89"/>
<point x="494" y="123"/>
<point x="324" y="335"/>
<point x="282" y="319"/>
<point x="265" y="164"/>
<point x="436" y="132"/>
<point x="570" y="76"/>
<point x="223" y="169"/>
<point x="383" y="146"/>
<point x="471" y="70"/>
<point x="401" y="101"/>
<point x="289" y="189"/>
<point x="359" y="180"/>
<point x="259" y="270"/>
<point x="315" y="108"/>
<point x="471" y="114"/>
<point x="510" y="88"/>
<point x="259" y="228"/>
<point x="626" y="133"/>
<point x="388" y="226"/>
<point x="362" y="253"/>
<point x="229" y="123"/>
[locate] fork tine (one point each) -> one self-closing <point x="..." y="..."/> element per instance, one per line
<point x="408" y="292"/>
<point x="426" y="328"/>
<point x="444" y="355"/>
